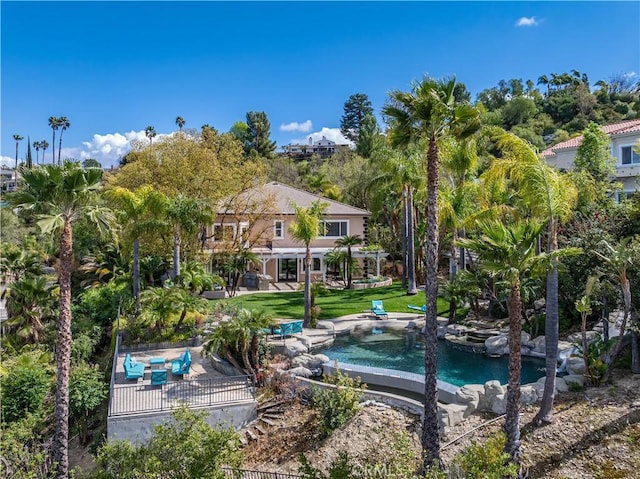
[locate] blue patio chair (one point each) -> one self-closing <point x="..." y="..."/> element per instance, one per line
<point x="132" y="368"/>
<point x="180" y="366"/>
<point x="377" y="309"/>
<point x="422" y="308"/>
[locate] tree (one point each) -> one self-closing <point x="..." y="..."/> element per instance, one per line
<point x="37" y="145"/>
<point x="180" y="122"/>
<point x="187" y="447"/>
<point x="44" y="144"/>
<point x="509" y="253"/>
<point x="429" y="112"/>
<point x="18" y="139"/>
<point x="63" y="124"/>
<point x="29" y="159"/>
<point x="150" y="132"/>
<point x="259" y="130"/>
<point x="347" y="242"/>
<point x="370" y="137"/>
<point x="140" y="210"/>
<point x="29" y="307"/>
<point x="54" y="123"/>
<point x="91" y="163"/>
<point x="61" y="195"/>
<point x="356" y="109"/>
<point x="305" y="228"/>
<point x="549" y="196"/>
<point x="87" y="390"/>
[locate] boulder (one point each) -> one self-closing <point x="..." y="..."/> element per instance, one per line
<point x="309" y="361"/>
<point x="528" y="395"/>
<point x="324" y="325"/>
<point x="538" y="345"/>
<point x="539" y="389"/>
<point x="469" y="396"/>
<point x="575" y="365"/>
<point x="300" y="371"/>
<point x="491" y="390"/>
<point x="499" y="404"/>
<point x="294" y="348"/>
<point x="576" y="379"/>
<point x="525" y="337"/>
<point x="539" y="304"/>
<point x="497" y="345"/>
<point x="451" y="414"/>
<point x="576" y="338"/>
<point x="561" y="385"/>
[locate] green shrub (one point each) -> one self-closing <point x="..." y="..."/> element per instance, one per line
<point x="485" y="461"/>
<point x="24" y="389"/>
<point x="335" y="406"/>
<point x="341" y="467"/>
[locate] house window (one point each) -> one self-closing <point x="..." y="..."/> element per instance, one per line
<point x="278" y="229"/>
<point x="315" y="265"/>
<point x="334" y="229"/>
<point x="629" y="156"/>
<point x="223" y="232"/>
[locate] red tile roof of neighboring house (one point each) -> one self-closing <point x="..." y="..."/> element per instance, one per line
<point x="611" y="130"/>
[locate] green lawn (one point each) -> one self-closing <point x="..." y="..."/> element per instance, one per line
<point x="334" y="304"/>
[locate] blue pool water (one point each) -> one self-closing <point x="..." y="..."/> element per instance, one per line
<point x="404" y="351"/>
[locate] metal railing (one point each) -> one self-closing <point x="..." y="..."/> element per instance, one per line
<point x="142" y="398"/>
<point x="249" y="474"/>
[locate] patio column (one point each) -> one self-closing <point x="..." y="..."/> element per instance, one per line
<point x="377" y="264"/>
<point x="264" y="265"/>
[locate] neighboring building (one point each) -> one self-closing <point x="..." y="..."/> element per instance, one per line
<point x="259" y="220"/>
<point x="624" y="136"/>
<point x="323" y="148"/>
<point x="9" y="178"/>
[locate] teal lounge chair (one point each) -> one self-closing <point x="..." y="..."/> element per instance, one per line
<point x="422" y="308"/>
<point x="132" y="368"/>
<point x="180" y="366"/>
<point x="377" y="309"/>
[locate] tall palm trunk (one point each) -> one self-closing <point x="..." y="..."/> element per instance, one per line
<point x="136" y="271"/>
<point x="307" y="288"/>
<point x="60" y="146"/>
<point x="551" y="333"/>
<point x="53" y="148"/>
<point x="430" y="437"/>
<point x="16" y="167"/>
<point x="411" y="255"/>
<point x="512" y="420"/>
<point x="63" y="354"/>
<point x="176" y="252"/>
<point x="405" y="229"/>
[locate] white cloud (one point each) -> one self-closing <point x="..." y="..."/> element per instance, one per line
<point x="630" y="75"/>
<point x="7" y="161"/>
<point x="527" y="22"/>
<point x="107" y="149"/>
<point x="295" y="126"/>
<point x="332" y="134"/>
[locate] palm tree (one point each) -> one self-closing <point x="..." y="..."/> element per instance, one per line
<point x="550" y="196"/>
<point x="44" y="144"/>
<point x="509" y="253"/>
<point x="18" y="138"/>
<point x="158" y="305"/>
<point x="140" y="210"/>
<point x="63" y="124"/>
<point x="430" y="113"/>
<point x="187" y="302"/>
<point x="54" y="123"/>
<point x="180" y="122"/>
<point x="348" y="242"/>
<point x="29" y="305"/>
<point x="305" y="228"/>
<point x="36" y="145"/>
<point x="150" y="132"/>
<point x="61" y="195"/>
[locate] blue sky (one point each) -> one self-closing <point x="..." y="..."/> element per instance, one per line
<point x="115" y="67"/>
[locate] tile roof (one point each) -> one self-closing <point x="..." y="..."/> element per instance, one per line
<point x="284" y="195"/>
<point x="611" y="130"/>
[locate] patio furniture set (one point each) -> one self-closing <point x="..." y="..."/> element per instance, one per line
<point x="134" y="369"/>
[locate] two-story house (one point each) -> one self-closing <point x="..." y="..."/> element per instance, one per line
<point x="259" y="218"/>
<point x="323" y="148"/>
<point x="624" y="137"/>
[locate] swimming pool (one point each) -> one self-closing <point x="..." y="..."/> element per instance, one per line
<point x="404" y="351"/>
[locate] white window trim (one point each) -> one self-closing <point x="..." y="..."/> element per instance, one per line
<point x="242" y="227"/>
<point x="626" y="145"/>
<point x="281" y="236"/>
<point x="336" y="221"/>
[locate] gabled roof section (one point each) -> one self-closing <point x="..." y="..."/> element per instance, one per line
<point x="614" y="129"/>
<point x="285" y="194"/>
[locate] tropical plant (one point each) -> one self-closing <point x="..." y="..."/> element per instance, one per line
<point x="348" y="242"/>
<point x="150" y="132"/>
<point x="63" y="124"/>
<point x="30" y="305"/>
<point x="232" y="264"/>
<point x="44" y="144"/>
<point x="180" y="122"/>
<point x="196" y="279"/>
<point x="508" y="252"/>
<point x="549" y="196"/>
<point x="87" y="390"/>
<point x="61" y="195"/>
<point x="305" y="228"/>
<point x="430" y="113"/>
<point x="54" y="123"/>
